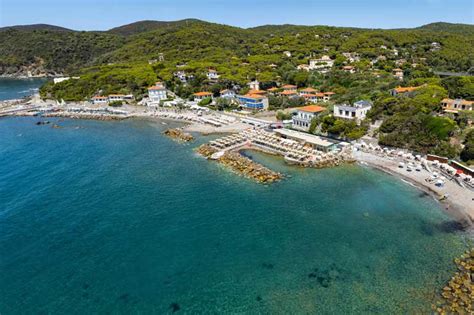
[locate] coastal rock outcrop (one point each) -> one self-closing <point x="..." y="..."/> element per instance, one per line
<point x="178" y="134"/>
<point x="457" y="296"/>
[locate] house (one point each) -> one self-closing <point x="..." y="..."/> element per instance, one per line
<point x="358" y="111"/>
<point x="227" y="93"/>
<point x="303" y="67"/>
<point x="351" y="57"/>
<point x="327" y="96"/>
<point x="289" y="93"/>
<point x="212" y="75"/>
<point x="117" y="97"/>
<point x="100" y="100"/>
<point x="398" y="73"/>
<point x="435" y="46"/>
<point x="308" y="90"/>
<point x="253" y="101"/>
<point x="157" y="92"/>
<point x="289" y="87"/>
<point x="273" y="90"/>
<point x="303" y="116"/>
<point x="323" y="65"/>
<point x="403" y="90"/>
<point x="312" y="98"/>
<point x="199" y="96"/>
<point x="349" y="69"/>
<point x="454" y="106"/>
<point x="254" y="85"/>
<point x="181" y="75"/>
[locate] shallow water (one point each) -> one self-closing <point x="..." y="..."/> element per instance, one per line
<point x="113" y="217"/>
<point x="17" y="88"/>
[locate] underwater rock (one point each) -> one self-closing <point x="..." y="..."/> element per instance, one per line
<point x="174" y="307"/>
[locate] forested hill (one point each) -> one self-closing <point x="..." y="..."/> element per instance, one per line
<point x="40" y="49"/>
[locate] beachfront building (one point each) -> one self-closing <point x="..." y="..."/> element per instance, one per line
<point x="157" y="93"/>
<point x="199" y="96"/>
<point x="100" y="100"/>
<point x="358" y="111"/>
<point x="323" y="64"/>
<point x="454" y="106"/>
<point x="308" y="140"/>
<point x="120" y="97"/>
<point x="403" y="90"/>
<point x="227" y="94"/>
<point x="303" y="116"/>
<point x="253" y="101"/>
<point x="254" y="85"/>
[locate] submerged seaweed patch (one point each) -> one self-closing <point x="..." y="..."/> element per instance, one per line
<point x="268" y="265"/>
<point x="174" y="307"/>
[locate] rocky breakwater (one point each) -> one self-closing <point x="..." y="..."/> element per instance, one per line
<point x="178" y="134"/>
<point x="206" y="150"/>
<point x="458" y="295"/>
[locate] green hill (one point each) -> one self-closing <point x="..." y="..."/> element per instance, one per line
<point x="463" y="29"/>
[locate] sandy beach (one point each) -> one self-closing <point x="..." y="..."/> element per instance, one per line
<point x="459" y="203"/>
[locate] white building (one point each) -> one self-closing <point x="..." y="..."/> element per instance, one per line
<point x="303" y="116"/>
<point x="254" y="85"/>
<point x="100" y="100"/>
<point x="358" y="111"/>
<point x="157" y="93"/>
<point x="212" y="75"/>
<point x="181" y="75"/>
<point x="227" y="93"/>
<point x="323" y="65"/>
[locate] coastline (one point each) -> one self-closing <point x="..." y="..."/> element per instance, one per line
<point x="460" y="209"/>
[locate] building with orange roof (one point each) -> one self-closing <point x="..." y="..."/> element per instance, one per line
<point x="289" y="87"/>
<point x="349" y="69"/>
<point x="308" y="90"/>
<point x="257" y="92"/>
<point x="156" y="93"/>
<point x="404" y="90"/>
<point x="327" y="96"/>
<point x="199" y="96"/>
<point x="289" y="93"/>
<point x="273" y="90"/>
<point x="304" y="115"/>
<point x="455" y="105"/>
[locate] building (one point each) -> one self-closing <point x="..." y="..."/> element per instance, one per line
<point x="398" y="73"/>
<point x="100" y="100"/>
<point x="312" y="98"/>
<point x="358" y="111"/>
<point x="254" y="85"/>
<point x="157" y="93"/>
<point x="273" y="90"/>
<point x="327" y="96"/>
<point x="303" y="67"/>
<point x="303" y="116"/>
<point x="117" y="97"/>
<point x="323" y="65"/>
<point x="289" y="93"/>
<point x="454" y="106"/>
<point x="181" y="75"/>
<point x="349" y="69"/>
<point x="308" y="90"/>
<point x="212" y="75"/>
<point x="253" y="101"/>
<point x="403" y="90"/>
<point x="199" y="96"/>
<point x="308" y="140"/>
<point x="227" y="93"/>
<point x="289" y="87"/>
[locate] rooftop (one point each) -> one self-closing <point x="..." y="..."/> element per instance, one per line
<point x="202" y="94"/>
<point x="306" y="137"/>
<point x="311" y="109"/>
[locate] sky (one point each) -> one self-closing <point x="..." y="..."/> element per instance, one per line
<point x="106" y="14"/>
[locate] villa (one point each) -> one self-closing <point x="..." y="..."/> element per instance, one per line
<point x="357" y="112"/>
<point x="212" y="75"/>
<point x="254" y="85"/>
<point x="157" y="93"/>
<point x="289" y="87"/>
<point x="273" y="90"/>
<point x="182" y="76"/>
<point x="227" y="93"/>
<point x="327" y="96"/>
<point x="398" y="73"/>
<point x="199" y="96"/>
<point x="403" y="90"/>
<point x="323" y="65"/>
<point x="303" y="116"/>
<point x="349" y="69"/>
<point x="312" y="98"/>
<point x="307" y="91"/>
<point x="454" y="106"/>
<point x="253" y="101"/>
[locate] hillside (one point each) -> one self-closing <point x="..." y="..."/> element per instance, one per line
<point x="36" y="27"/>
<point x="44" y="49"/>
<point x="463" y="29"/>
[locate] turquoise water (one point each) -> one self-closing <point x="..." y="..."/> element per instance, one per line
<point x="18" y="88"/>
<point x="112" y="217"/>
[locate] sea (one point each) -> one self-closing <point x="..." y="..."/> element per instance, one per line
<point x="11" y="88"/>
<point x="112" y="217"/>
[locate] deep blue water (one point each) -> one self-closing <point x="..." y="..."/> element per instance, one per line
<point x="18" y="88"/>
<point x="112" y="217"/>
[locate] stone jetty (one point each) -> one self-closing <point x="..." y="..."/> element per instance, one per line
<point x="178" y="134"/>
<point x="458" y="295"/>
<point x="241" y="165"/>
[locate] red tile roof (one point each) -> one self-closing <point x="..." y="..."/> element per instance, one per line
<point x="311" y="109"/>
<point x="202" y="94"/>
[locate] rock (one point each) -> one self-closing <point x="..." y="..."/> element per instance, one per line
<point x="178" y="134"/>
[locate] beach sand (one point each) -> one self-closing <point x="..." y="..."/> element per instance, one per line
<point x="460" y="201"/>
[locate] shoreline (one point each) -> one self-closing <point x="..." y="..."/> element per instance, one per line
<point x="458" y="211"/>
